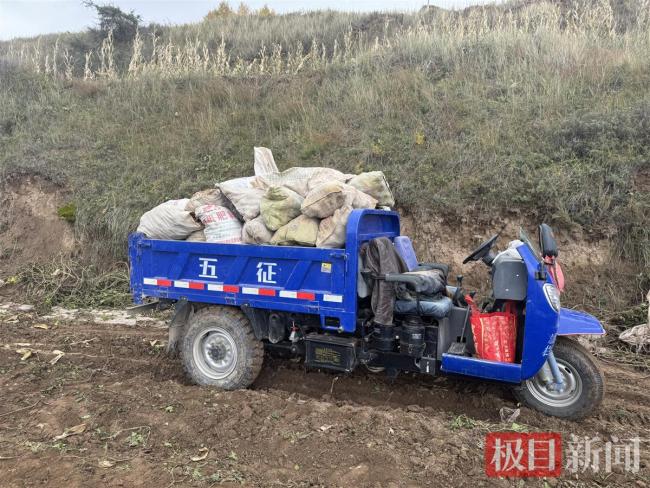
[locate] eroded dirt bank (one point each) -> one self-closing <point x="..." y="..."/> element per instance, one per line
<point x="30" y="228"/>
<point x="136" y="421"/>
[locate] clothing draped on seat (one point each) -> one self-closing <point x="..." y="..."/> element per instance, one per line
<point x="381" y="257"/>
<point x="438" y="308"/>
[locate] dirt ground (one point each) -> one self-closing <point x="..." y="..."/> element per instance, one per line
<point x="115" y="410"/>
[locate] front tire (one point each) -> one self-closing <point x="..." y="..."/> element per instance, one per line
<point x="220" y="349"/>
<point x="584" y="384"/>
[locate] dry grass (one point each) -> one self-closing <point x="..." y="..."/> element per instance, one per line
<point x="64" y="282"/>
<point x="253" y="45"/>
<point x="528" y="111"/>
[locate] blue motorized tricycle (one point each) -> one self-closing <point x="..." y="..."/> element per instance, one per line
<point x="232" y="301"/>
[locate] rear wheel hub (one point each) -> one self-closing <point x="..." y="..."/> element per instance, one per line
<point x="215" y="353"/>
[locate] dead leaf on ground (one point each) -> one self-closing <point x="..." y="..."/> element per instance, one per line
<point x="200" y="457"/>
<point x="325" y="428"/>
<point x="42" y="326"/>
<point x="26" y="353"/>
<point x="77" y="429"/>
<point x="58" y="355"/>
<point x="509" y="415"/>
<point x="105" y="463"/>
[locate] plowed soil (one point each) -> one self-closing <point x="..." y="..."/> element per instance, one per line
<point x="133" y="419"/>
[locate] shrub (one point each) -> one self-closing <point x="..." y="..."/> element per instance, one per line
<point x="223" y="10"/>
<point x="123" y="25"/>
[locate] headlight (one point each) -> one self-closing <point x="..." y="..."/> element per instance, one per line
<point x="552" y="296"/>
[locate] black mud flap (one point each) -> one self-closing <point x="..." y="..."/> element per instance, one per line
<point x="177" y="325"/>
<point x="259" y="320"/>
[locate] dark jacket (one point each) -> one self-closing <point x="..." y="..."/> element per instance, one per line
<point x="380" y="257"/>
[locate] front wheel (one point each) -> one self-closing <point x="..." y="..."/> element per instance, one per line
<point x="583" y="388"/>
<point x="220" y="349"/>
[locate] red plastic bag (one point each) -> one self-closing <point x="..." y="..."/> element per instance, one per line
<point x="495" y="334"/>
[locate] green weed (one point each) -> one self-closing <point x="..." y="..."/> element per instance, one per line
<point x="67" y="212"/>
<point x="135" y="439"/>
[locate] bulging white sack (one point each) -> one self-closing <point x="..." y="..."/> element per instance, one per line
<point x="169" y="221"/>
<point x="243" y="196"/>
<point x="374" y="184"/>
<point x="332" y="230"/>
<point x="323" y="200"/>
<point x="220" y="224"/>
<point x="198" y="236"/>
<point x="358" y="199"/>
<point x="301" y="180"/>
<point x="255" y="232"/>
<point x="264" y="163"/>
<point x="211" y="196"/>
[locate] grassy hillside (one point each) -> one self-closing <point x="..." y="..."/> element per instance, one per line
<point x="532" y="110"/>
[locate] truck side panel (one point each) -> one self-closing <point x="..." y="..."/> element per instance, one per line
<point x="288" y="278"/>
<point x="292" y="279"/>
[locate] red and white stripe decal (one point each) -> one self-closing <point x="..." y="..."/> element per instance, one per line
<point x="222" y="288"/>
<point x="267" y="292"/>
<point x="157" y="282"/>
<point x="298" y="295"/>
<point x="245" y="290"/>
<point x="190" y="285"/>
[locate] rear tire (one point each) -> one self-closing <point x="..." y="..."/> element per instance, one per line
<point x="585" y="384"/>
<point x="220" y="349"/>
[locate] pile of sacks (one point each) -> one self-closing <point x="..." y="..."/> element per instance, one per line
<point x="296" y="207"/>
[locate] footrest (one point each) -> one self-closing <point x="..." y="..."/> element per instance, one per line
<point x="137" y="309"/>
<point x="481" y="368"/>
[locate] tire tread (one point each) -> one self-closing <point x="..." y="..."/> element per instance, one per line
<point x="237" y="323"/>
<point x="594" y="387"/>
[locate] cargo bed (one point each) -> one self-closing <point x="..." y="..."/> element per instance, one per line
<point x="293" y="279"/>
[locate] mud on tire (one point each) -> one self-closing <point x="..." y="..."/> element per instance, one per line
<point x="220" y="349"/>
<point x="581" y="372"/>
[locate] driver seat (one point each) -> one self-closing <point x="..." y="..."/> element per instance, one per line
<point x="437" y="304"/>
<point x="404" y="248"/>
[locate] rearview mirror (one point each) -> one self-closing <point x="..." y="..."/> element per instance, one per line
<point x="547" y="241"/>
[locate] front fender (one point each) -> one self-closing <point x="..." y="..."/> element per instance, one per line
<point x="573" y="322"/>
